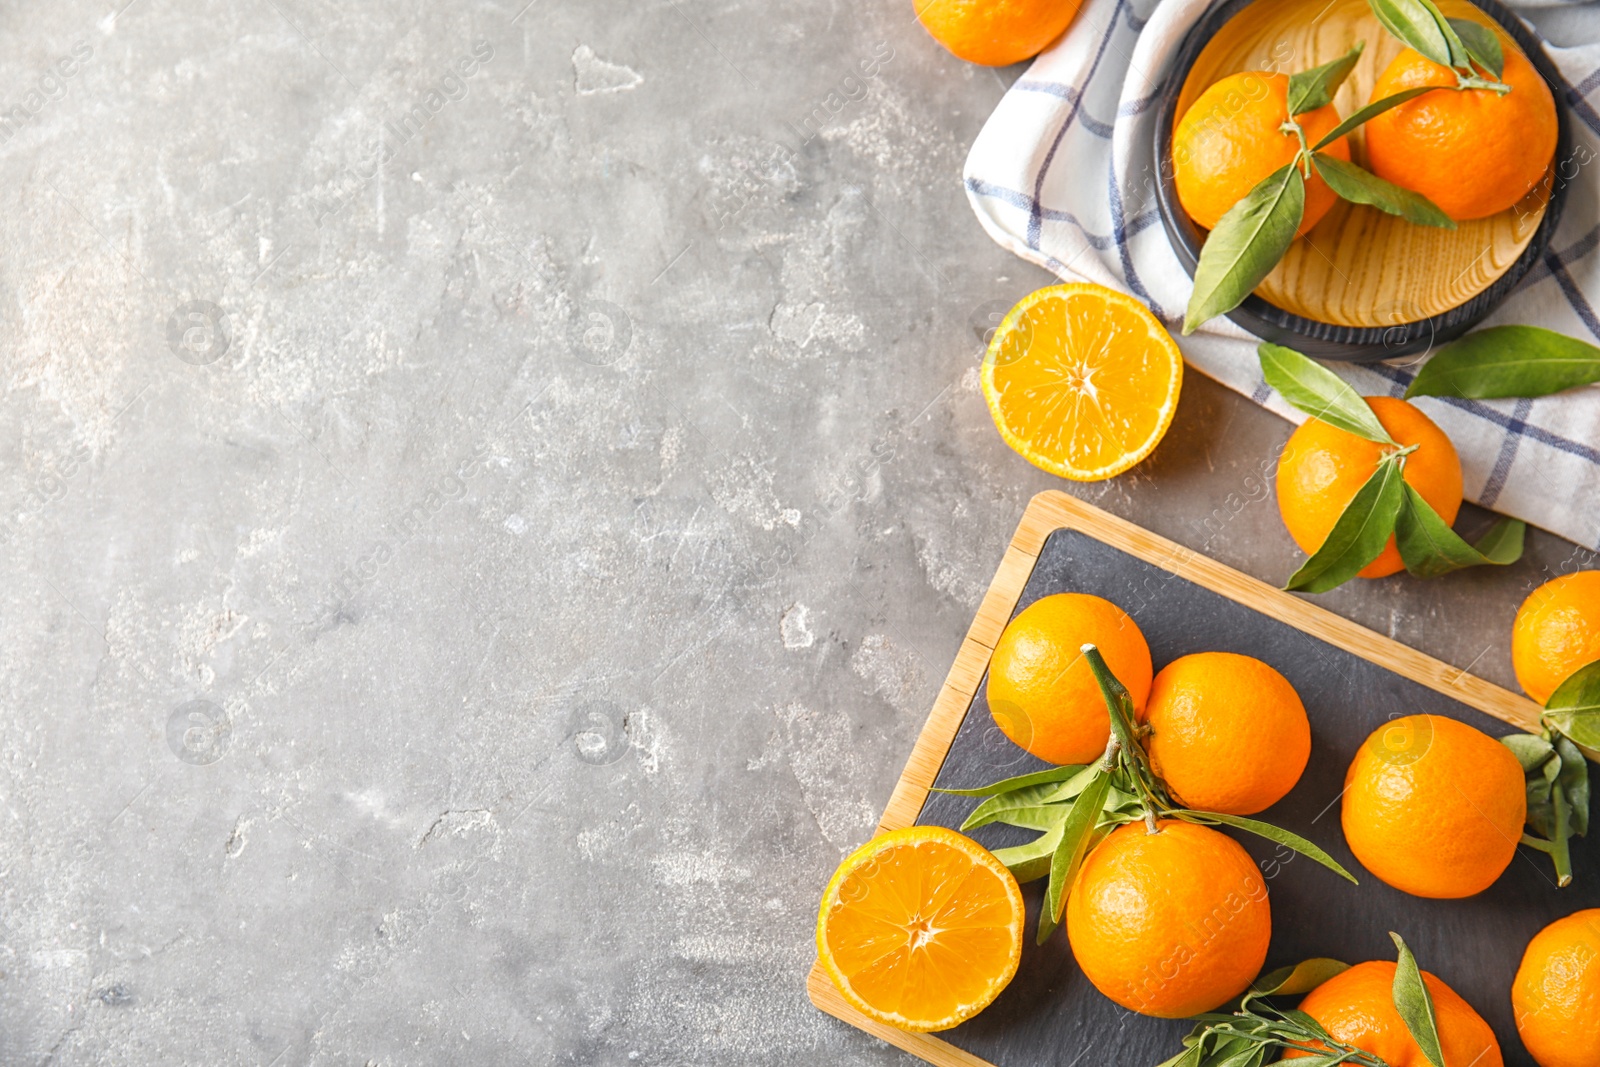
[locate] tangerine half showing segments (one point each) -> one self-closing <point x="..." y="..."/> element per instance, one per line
<point x="920" y="928"/>
<point x="1357" y="1008"/>
<point x="1232" y="137"/>
<point x="1556" y="994"/>
<point x="1171" y="923"/>
<point x="1041" y="692"/>
<point x="1082" y="381"/>
<point x="1323" y="467"/>
<point x="1434" y="807"/>
<point x="1228" y="733"/>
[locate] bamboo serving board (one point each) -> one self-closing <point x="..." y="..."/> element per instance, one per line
<point x="1359" y="266"/>
<point x="1351" y="680"/>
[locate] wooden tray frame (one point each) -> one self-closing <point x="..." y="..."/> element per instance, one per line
<point x="1051" y="511"/>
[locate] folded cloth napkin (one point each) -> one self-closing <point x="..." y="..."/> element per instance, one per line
<point x="1063" y="175"/>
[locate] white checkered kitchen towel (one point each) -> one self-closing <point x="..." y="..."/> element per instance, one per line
<point x="1059" y="176"/>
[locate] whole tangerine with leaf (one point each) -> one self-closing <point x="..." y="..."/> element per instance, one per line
<point x="1358" y="1009"/>
<point x="1556" y="993"/>
<point x="920" y="928"/>
<point x="1236" y="134"/>
<point x="1323" y="467"/>
<point x="996" y="33"/>
<point x="1482" y="133"/>
<point x="1228" y="733"/>
<point x="1368" y="486"/>
<point x="1375" y="1014"/>
<point x="1434" y="807"/>
<point x="1556" y="631"/>
<point x="1041" y="691"/>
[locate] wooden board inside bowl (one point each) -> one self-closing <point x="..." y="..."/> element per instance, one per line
<point x="1358" y="266"/>
<point x="1351" y="680"/>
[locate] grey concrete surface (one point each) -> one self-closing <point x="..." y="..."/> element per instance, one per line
<point x="478" y="546"/>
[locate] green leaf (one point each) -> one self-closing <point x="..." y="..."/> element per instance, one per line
<point x="1574" y="782"/>
<point x="1574" y="708"/>
<point x="1306" y="1022"/>
<point x="1508" y="361"/>
<point x="1418" y="25"/>
<point x="1006" y="785"/>
<point x="1189" y="1057"/>
<point x="1072" y="786"/>
<point x="1372" y="110"/>
<point x="1361" y="186"/>
<point x="1303" y="977"/>
<point x="1482" y="46"/>
<point x="1075" y="836"/>
<point x="1359" y="535"/>
<point x="1531" y="750"/>
<point x="1314" y="88"/>
<point x="1276" y="834"/>
<point x="1030" y="862"/>
<point x="1314" y="389"/>
<point x="1248" y="242"/>
<point x="995" y="808"/>
<point x="1037" y="817"/>
<point x="1415" y="1004"/>
<point x="1541" y="786"/>
<point x="1430" y="548"/>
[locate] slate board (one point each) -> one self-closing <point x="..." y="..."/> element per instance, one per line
<point x="1050" y="1014"/>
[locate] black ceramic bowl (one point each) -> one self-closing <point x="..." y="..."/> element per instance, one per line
<point x="1364" y="344"/>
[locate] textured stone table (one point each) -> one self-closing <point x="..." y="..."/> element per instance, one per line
<point x="489" y="496"/>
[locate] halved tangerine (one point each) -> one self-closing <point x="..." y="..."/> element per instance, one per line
<point x="1082" y="380"/>
<point x="921" y="928"/>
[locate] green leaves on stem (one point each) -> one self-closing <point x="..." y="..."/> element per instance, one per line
<point x="1556" y="771"/>
<point x="1259" y="1030"/>
<point x="1454" y="43"/>
<point x="1384" y="505"/>
<point x="1508" y="361"/>
<point x="1075" y="807"/>
<point x="1255" y="233"/>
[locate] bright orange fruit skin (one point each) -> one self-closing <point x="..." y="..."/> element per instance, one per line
<point x="921" y="928"/>
<point x="1081" y="380"/>
<point x="1169" y="924"/>
<point x="1472" y="152"/>
<point x="1556" y="994"/>
<point x="1229" y="733"/>
<point x="1041" y="692"/>
<point x="996" y="33"/>
<point x="1357" y="1008"/>
<point x="1322" y="467"/>
<point x="1230" y="139"/>
<point x="1434" y="807"/>
<point x="1556" y="631"/>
